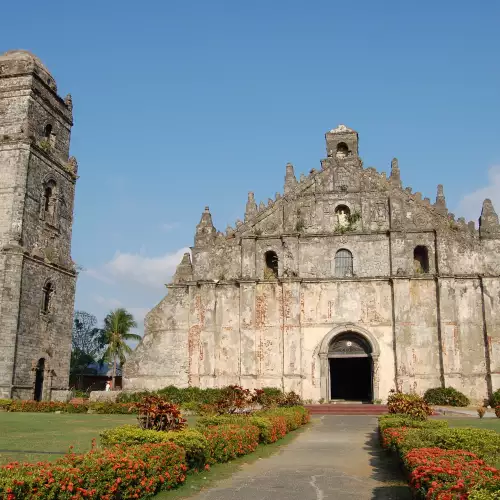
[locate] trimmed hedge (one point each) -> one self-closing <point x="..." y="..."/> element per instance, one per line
<point x="445" y="396"/>
<point x="122" y="472"/>
<point x="396" y="420"/>
<point x="229" y="441"/>
<point x="443" y="462"/>
<point x="271" y="427"/>
<point x="193" y="395"/>
<point x="193" y="441"/>
<point x="17" y="405"/>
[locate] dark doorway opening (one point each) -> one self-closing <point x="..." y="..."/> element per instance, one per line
<point x="351" y="378"/>
<point x="40" y="368"/>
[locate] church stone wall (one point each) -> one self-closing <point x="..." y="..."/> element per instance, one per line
<point x="422" y="289"/>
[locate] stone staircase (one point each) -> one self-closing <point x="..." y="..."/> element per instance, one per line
<point x="347" y="409"/>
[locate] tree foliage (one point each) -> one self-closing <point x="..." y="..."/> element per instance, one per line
<point x="87" y="341"/>
<point x="116" y="333"/>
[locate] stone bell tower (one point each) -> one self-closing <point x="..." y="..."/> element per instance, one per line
<point x="37" y="274"/>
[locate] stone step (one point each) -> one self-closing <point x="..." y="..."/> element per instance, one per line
<point x="347" y="409"/>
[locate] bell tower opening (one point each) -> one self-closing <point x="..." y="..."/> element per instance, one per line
<point x="351" y="368"/>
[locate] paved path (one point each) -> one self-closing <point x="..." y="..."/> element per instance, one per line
<point x="337" y="458"/>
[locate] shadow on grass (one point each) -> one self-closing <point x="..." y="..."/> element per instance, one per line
<point x="386" y="469"/>
<point x="197" y="482"/>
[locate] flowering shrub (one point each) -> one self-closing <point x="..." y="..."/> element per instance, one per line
<point x="271" y="427"/>
<point x="408" y="404"/>
<point x="497" y="411"/>
<point x="226" y="442"/>
<point x="445" y="396"/>
<point x="120" y="472"/>
<point x="157" y="414"/>
<point x="392" y="437"/>
<point x="294" y="416"/>
<point x="448" y="474"/>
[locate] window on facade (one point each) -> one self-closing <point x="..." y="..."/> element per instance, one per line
<point x="49" y="202"/>
<point x="47" y="131"/>
<point x="421" y="259"/>
<point x="271" y="268"/>
<point x="342" y="150"/>
<point x="343" y="263"/>
<point x="48" y="290"/>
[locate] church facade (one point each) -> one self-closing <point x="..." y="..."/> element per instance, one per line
<point x="346" y="286"/>
<point x="37" y="189"/>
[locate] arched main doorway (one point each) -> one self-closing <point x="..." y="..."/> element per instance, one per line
<point x="39" y="375"/>
<point x="350" y="366"/>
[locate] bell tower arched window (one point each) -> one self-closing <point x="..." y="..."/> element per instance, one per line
<point x="342" y="150"/>
<point x="421" y="259"/>
<point x="343" y="263"/>
<point x="49" y="202"/>
<point x="271" y="265"/>
<point x="47" y="292"/>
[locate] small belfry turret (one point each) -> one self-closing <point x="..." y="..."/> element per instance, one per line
<point x="184" y="271"/>
<point x="488" y="222"/>
<point x="341" y="142"/>
<point x="205" y="230"/>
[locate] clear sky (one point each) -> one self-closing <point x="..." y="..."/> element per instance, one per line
<point x="179" y="105"/>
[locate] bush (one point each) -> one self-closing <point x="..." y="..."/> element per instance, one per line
<point x="112" y="408"/>
<point x="271" y="427"/>
<point x="193" y="441"/>
<point x="482" y="442"/>
<point x="495" y="399"/>
<point x="497" y="411"/>
<point x="124" y="472"/>
<point x="228" y="441"/>
<point x="445" y="396"/>
<point x="76" y="407"/>
<point x="438" y="473"/>
<point x="157" y="414"/>
<point x="394" y="420"/>
<point x="294" y="416"/>
<point x="5" y="404"/>
<point x="408" y="404"/>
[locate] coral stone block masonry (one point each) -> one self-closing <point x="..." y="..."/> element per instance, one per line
<point x="37" y="189"/>
<point x="346" y="286"/>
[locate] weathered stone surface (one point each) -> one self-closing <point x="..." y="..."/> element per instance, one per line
<point x="421" y="289"/>
<point x="36" y="213"/>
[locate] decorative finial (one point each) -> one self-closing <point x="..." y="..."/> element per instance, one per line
<point x="488" y="222"/>
<point x="68" y="100"/>
<point x="395" y="176"/>
<point x="73" y="165"/>
<point x="440" y="199"/>
<point x="290" y="180"/>
<point x="251" y="208"/>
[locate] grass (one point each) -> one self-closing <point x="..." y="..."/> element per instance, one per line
<point x="31" y="437"/>
<point x="480" y="423"/>
<point x="195" y="483"/>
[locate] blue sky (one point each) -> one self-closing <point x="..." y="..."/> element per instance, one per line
<point x="179" y="105"/>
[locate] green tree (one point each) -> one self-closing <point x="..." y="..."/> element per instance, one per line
<point x="117" y="326"/>
<point x="87" y="343"/>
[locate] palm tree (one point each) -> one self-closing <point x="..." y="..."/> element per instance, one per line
<point x="117" y="326"/>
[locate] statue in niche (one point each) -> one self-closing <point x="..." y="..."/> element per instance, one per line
<point x="342" y="214"/>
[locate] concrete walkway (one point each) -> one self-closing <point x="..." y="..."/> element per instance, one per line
<point x="337" y="458"/>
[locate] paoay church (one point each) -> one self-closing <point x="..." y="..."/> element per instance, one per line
<point x="346" y="286"/>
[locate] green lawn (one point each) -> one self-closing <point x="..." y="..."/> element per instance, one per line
<point x="480" y="423"/>
<point x="22" y="435"/>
